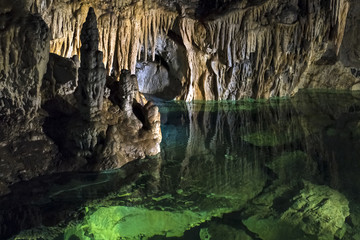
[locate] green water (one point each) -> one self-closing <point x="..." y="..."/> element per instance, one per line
<point x="272" y="170"/>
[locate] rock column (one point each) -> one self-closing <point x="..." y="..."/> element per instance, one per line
<point x="92" y="75"/>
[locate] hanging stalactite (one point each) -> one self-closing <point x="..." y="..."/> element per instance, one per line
<point x="250" y="50"/>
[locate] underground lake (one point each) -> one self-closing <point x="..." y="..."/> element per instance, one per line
<point x="283" y="168"/>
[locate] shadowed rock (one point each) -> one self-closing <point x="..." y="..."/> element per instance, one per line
<point x="92" y="75"/>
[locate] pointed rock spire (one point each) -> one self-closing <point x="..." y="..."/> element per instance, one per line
<point x="92" y="75"/>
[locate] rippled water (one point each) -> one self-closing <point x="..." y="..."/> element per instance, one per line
<point x="272" y="170"/>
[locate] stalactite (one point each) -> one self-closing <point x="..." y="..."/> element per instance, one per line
<point x="341" y="22"/>
<point x="143" y="18"/>
<point x="244" y="38"/>
<point x="145" y="37"/>
<point x="113" y="42"/>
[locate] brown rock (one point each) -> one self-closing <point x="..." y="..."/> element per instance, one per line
<point x="227" y="50"/>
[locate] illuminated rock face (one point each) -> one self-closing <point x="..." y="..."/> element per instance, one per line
<point x="232" y="50"/>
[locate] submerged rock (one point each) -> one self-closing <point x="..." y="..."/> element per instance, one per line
<point x="132" y="223"/>
<point x="315" y="212"/>
<point x="287" y="166"/>
<point x="275" y="135"/>
<point x="318" y="211"/>
<point x="218" y="231"/>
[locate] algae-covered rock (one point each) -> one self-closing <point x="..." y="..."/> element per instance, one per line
<point x="318" y="210"/>
<point x="120" y="222"/>
<point x="274" y="135"/>
<point x="221" y="231"/>
<point x="272" y="228"/>
<point x="292" y="166"/>
<point x="315" y="212"/>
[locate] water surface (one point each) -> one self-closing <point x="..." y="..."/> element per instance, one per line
<point x="276" y="169"/>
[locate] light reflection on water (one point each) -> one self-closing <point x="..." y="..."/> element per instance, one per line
<point x="277" y="169"/>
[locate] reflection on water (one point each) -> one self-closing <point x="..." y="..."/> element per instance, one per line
<point x="272" y="170"/>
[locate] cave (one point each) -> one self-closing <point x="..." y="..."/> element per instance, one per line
<point x="188" y="119"/>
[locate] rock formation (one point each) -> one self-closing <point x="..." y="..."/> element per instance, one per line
<point x="222" y="49"/>
<point x="25" y="151"/>
<point x="92" y="77"/>
<point x="103" y="133"/>
<point x="65" y="121"/>
<point x="24" y="53"/>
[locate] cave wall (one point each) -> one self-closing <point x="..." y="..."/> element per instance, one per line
<point x="233" y="49"/>
<point x="350" y="49"/>
<point x="21" y="65"/>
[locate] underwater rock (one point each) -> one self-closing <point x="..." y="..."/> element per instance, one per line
<point x="275" y="135"/>
<point x="221" y="231"/>
<point x="133" y="222"/>
<point x="315" y="211"/>
<point x="287" y="166"/>
<point x="319" y="211"/>
<point x="273" y="229"/>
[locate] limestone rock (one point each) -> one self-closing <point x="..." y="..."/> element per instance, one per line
<point x="154" y="79"/>
<point x="231" y="49"/>
<point x="61" y="77"/>
<point x="222" y="231"/>
<point x="24" y="54"/>
<point x="46" y="125"/>
<point x="350" y="49"/>
<point x="128" y="90"/>
<point x="164" y="77"/>
<point x="289" y="14"/>
<point x="319" y="211"/>
<point x="92" y="76"/>
<point x="328" y="76"/>
<point x="25" y="151"/>
<point x="96" y="133"/>
<point x="314" y="211"/>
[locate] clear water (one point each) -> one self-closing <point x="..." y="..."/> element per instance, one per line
<point x="272" y="170"/>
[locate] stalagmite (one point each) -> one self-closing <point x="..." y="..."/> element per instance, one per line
<point x="92" y="77"/>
